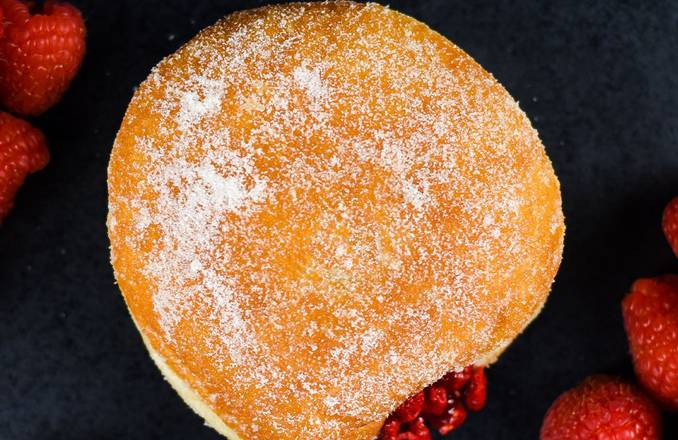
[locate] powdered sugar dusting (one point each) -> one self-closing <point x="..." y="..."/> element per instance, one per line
<point x="326" y="209"/>
<point x="310" y="81"/>
<point x="202" y="98"/>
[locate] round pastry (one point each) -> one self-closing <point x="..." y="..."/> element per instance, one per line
<point x="318" y="209"/>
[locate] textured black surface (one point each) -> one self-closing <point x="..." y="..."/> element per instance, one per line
<point x="598" y="79"/>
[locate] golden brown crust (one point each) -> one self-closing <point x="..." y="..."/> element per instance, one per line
<point x="315" y="210"/>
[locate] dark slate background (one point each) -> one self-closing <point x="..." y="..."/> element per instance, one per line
<point x="598" y="79"/>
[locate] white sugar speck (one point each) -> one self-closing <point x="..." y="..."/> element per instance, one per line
<point x="196" y="265"/>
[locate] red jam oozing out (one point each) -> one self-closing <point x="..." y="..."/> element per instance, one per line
<point x="442" y="406"/>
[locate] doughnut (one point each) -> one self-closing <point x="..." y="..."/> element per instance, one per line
<point x="316" y="210"/>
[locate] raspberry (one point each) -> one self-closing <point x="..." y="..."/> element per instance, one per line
<point x="651" y="320"/>
<point x="444" y="405"/>
<point x="670" y="224"/>
<point x="22" y="151"/>
<point x="602" y="408"/>
<point x="39" y="55"/>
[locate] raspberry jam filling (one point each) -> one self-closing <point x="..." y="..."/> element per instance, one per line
<point x="442" y="406"/>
